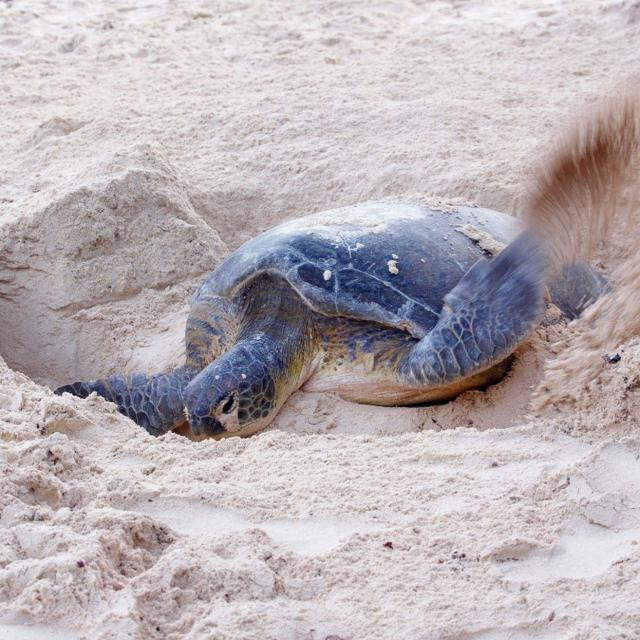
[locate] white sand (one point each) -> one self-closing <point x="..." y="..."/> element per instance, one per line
<point x="143" y="141"/>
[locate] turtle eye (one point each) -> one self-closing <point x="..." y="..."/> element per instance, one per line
<point x="229" y="404"/>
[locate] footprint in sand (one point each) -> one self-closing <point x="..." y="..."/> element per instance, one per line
<point x="305" y="536"/>
<point x="606" y="489"/>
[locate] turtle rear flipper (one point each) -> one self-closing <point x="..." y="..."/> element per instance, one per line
<point x="485" y="316"/>
<point x="576" y="287"/>
<point x="155" y="402"/>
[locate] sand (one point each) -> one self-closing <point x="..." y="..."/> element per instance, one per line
<point x="144" y="141"/>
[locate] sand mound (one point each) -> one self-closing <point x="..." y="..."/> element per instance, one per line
<point x="141" y="142"/>
<point x="108" y="240"/>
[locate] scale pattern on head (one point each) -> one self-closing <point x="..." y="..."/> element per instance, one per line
<point x="235" y="391"/>
<point x="246" y="386"/>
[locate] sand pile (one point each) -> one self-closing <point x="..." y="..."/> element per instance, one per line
<point x="141" y="143"/>
<point x="585" y="199"/>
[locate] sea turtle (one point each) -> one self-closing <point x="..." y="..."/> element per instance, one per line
<point x="382" y="303"/>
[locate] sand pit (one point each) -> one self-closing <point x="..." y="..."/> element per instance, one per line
<point x="142" y="143"/>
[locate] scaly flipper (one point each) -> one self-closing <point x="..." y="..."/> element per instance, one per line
<point x="486" y="315"/>
<point x="155" y="402"/>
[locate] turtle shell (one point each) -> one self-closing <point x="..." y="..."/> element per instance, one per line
<point x="383" y="262"/>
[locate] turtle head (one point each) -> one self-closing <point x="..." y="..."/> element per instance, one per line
<point x="235" y="395"/>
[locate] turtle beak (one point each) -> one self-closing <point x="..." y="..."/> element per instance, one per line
<point x="205" y="425"/>
<point x="199" y="405"/>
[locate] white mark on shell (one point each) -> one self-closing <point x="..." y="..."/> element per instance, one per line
<point x="394" y="256"/>
<point x="243" y="376"/>
<point x="327" y="274"/>
<point x="422" y="260"/>
<point x="393" y="267"/>
<point x="217" y="377"/>
<point x="359" y="245"/>
<point x="483" y="239"/>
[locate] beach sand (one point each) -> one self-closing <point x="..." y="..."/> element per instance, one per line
<point x="141" y="143"/>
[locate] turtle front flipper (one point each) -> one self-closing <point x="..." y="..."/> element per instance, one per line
<point x="155" y="402"/>
<point x="484" y="317"/>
